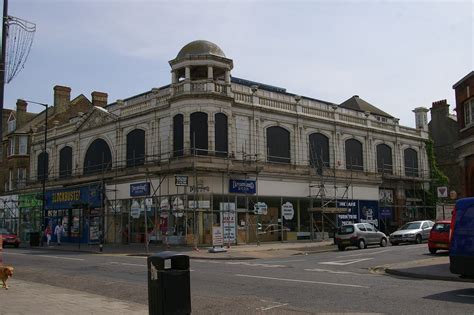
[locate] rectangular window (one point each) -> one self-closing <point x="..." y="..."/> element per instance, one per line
<point x="11" y="144"/>
<point x="21" y="180"/>
<point x="469" y="112"/>
<point x="23" y="145"/>
<point x="10" y="180"/>
<point x="11" y="125"/>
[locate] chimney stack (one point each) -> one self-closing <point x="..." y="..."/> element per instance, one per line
<point x="99" y="99"/>
<point x="21" y="106"/>
<point x="62" y="98"/>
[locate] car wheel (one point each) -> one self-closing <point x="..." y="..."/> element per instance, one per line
<point x="418" y="239"/>
<point x="340" y="247"/>
<point x="433" y="250"/>
<point x="362" y="244"/>
<point x="383" y="242"/>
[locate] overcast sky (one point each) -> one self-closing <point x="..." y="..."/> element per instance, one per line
<point x="397" y="55"/>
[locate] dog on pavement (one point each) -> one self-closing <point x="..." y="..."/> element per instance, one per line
<point x="5" y="273"/>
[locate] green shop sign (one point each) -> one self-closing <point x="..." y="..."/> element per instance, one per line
<point x="30" y="201"/>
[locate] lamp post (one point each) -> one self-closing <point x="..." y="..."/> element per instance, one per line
<point x="45" y="162"/>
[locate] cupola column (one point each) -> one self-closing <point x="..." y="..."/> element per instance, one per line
<point x="174" y="78"/>
<point x="187" y="79"/>
<point x="227" y="76"/>
<point x="210" y="72"/>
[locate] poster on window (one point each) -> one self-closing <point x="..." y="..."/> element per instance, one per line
<point x="352" y="214"/>
<point x="369" y="212"/>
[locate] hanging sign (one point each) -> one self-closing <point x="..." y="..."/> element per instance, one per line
<point x="260" y="208"/>
<point x="287" y="211"/>
<point x="181" y="180"/>
<point x="135" y="209"/>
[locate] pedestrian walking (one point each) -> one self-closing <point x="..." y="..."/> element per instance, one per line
<point x="47" y="234"/>
<point x="58" y="231"/>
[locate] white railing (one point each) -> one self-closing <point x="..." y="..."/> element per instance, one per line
<point x="318" y="112"/>
<point x="352" y="119"/>
<point x="409" y="130"/>
<point x="220" y="88"/>
<point x="244" y="98"/>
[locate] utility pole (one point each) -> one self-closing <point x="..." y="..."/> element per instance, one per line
<point x="2" y="62"/>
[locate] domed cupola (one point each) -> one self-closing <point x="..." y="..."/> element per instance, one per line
<point x="200" y="67"/>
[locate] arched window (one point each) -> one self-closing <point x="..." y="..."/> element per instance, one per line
<point x="319" y="151"/>
<point x="220" y="134"/>
<point x="354" y="156"/>
<point x="43" y="165"/>
<point x="384" y="159"/>
<point x="65" y="162"/>
<point x="98" y="157"/>
<point x="135" y="148"/>
<point x="178" y="135"/>
<point x="411" y="163"/>
<point x="198" y="133"/>
<point x="278" y="145"/>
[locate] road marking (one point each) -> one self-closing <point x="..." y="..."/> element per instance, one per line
<point x="336" y="272"/>
<point x="207" y="261"/>
<point x="126" y="264"/>
<point x="285" y="261"/>
<point x="303" y="281"/>
<point x="344" y="262"/>
<point x="464" y="295"/>
<point x="59" y="257"/>
<point x="365" y="254"/>
<point x="272" y="306"/>
<point x="254" y="264"/>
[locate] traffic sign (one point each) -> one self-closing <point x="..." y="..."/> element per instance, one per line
<point x="443" y="192"/>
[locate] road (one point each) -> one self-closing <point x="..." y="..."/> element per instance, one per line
<point x="330" y="282"/>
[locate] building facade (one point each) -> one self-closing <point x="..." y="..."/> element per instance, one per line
<point x="211" y="151"/>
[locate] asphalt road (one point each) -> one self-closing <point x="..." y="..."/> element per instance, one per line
<point x="331" y="282"/>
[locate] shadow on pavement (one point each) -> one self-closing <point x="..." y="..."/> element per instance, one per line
<point x="458" y="296"/>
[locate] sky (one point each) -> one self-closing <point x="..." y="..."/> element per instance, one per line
<point x="397" y="55"/>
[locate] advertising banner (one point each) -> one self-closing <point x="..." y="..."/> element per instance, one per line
<point x="369" y="212"/>
<point x="228" y="222"/>
<point x="139" y="189"/>
<point x="70" y="198"/>
<point x="352" y="215"/>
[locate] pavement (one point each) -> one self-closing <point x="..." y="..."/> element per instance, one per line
<point x="25" y="297"/>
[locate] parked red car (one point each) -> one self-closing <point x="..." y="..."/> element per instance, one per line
<point x="439" y="236"/>
<point x="9" y="238"/>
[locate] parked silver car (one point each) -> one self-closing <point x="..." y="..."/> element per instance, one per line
<point x="412" y="232"/>
<point x="360" y="235"/>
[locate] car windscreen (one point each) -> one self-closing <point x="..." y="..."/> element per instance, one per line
<point x="441" y="227"/>
<point x="346" y="229"/>
<point x="411" y="226"/>
<point x="4" y="231"/>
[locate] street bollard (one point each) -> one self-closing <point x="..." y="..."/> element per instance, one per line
<point x="169" y="284"/>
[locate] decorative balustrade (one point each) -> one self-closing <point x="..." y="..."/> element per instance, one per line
<point x="244" y="98"/>
<point x="220" y="88"/>
<point x="352" y="119"/>
<point x="277" y="104"/>
<point x="382" y="125"/>
<point x="198" y="86"/>
<point x="409" y="130"/>
<point x="318" y="112"/>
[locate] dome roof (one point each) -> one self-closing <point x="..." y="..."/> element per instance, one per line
<point x="200" y="47"/>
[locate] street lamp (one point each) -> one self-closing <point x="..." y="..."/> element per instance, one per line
<point x="43" y="206"/>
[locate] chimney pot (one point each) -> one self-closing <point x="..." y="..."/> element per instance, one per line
<point x="21" y="105"/>
<point x="62" y="98"/>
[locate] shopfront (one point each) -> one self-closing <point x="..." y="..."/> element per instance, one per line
<point x="9" y="214"/>
<point x="30" y="206"/>
<point x="79" y="210"/>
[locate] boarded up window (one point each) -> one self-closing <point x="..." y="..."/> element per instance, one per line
<point x="278" y="145"/>
<point x="198" y="133"/>
<point x="98" y="158"/>
<point x="319" y="151"/>
<point x="354" y="156"/>
<point x="384" y="159"/>
<point x="65" y="162"/>
<point x="43" y="165"/>
<point x="178" y="135"/>
<point x="411" y="163"/>
<point x="135" y="148"/>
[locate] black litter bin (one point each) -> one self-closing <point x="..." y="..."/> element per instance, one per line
<point x="169" y="284"/>
<point x="34" y="238"/>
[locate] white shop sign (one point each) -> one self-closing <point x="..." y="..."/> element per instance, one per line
<point x="287" y="211"/>
<point x="228" y="221"/>
<point x="217" y="237"/>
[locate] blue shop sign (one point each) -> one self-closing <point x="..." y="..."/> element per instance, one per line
<point x="385" y="213"/>
<point x="70" y="198"/>
<point x="241" y="186"/>
<point x="140" y="189"/>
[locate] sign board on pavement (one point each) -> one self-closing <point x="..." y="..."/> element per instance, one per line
<point x="217" y="236"/>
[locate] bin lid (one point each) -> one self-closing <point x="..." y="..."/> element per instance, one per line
<point x="168" y="255"/>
